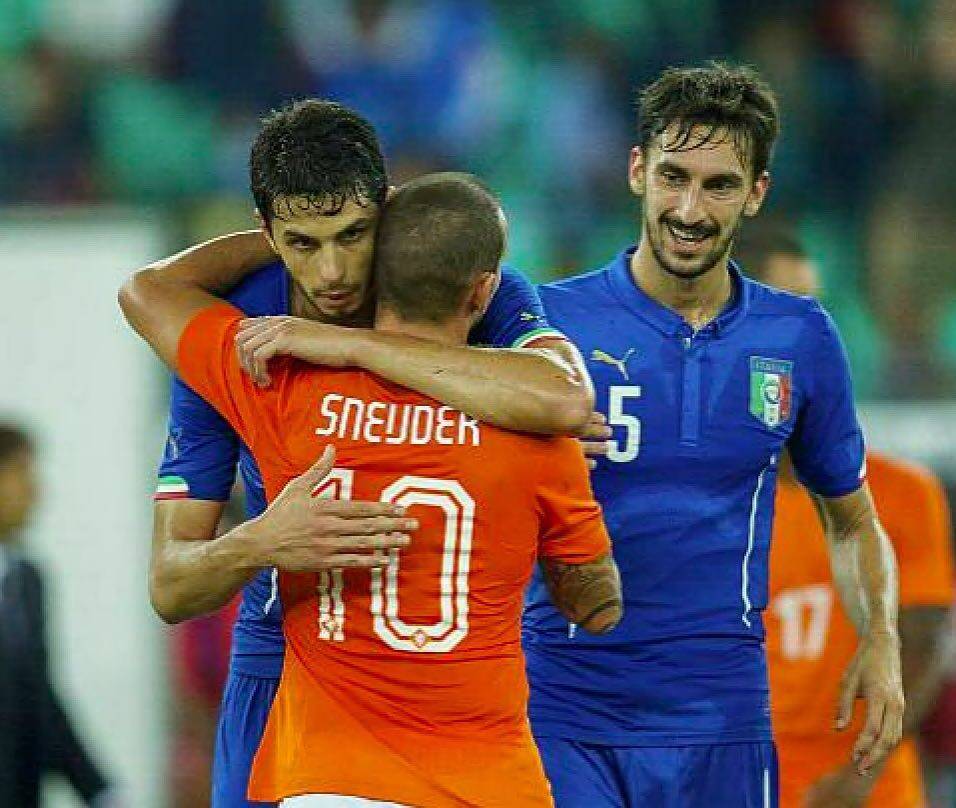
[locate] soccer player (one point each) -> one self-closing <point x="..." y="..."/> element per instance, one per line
<point x="405" y="684"/>
<point x="327" y="158"/>
<point x="810" y="640"/>
<point x="705" y="377"/>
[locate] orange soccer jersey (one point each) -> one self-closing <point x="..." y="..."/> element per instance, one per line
<point x="810" y="641"/>
<point x="407" y="684"/>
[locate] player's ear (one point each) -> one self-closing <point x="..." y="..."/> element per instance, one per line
<point x="635" y="171"/>
<point x="757" y="194"/>
<point x="482" y="292"/>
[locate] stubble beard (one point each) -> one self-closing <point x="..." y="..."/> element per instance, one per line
<point x="708" y="262"/>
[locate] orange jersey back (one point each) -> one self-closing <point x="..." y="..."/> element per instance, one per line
<point x="810" y="640"/>
<point x="405" y="684"/>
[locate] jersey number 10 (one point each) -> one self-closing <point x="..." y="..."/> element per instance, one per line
<point x="451" y="628"/>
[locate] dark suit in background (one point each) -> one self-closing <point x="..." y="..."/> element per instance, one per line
<point x="36" y="736"/>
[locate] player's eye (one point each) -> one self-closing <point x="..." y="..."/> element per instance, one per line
<point x="351" y="235"/>
<point x="300" y="243"/>
<point x="671" y="177"/>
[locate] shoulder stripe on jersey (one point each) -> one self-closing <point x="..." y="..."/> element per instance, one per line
<point x="538" y="333"/>
<point x="744" y="572"/>
<point x="171" y="488"/>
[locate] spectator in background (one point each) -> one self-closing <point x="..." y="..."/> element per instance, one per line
<point x="417" y="70"/>
<point x="912" y="240"/>
<point x="45" y="145"/>
<point x="810" y="640"/>
<point x="36" y="735"/>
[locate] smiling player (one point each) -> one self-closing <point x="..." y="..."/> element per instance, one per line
<point x="705" y="377"/>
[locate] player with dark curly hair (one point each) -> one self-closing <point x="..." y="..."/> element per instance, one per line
<point x="319" y="181"/>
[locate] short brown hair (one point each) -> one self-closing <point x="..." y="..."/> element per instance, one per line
<point x="724" y="99"/>
<point x="13" y="439"/>
<point x="438" y="233"/>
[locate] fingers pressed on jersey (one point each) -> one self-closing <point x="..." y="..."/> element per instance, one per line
<point x="595" y="448"/>
<point x="376" y="559"/>
<point x="259" y="362"/>
<point x="389" y="541"/>
<point x="322" y="465"/>
<point x="357" y="509"/>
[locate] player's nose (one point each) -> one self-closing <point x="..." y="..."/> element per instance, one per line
<point x="330" y="266"/>
<point x="689" y="206"/>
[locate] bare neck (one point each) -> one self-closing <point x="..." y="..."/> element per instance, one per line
<point x="453" y="332"/>
<point x="696" y="300"/>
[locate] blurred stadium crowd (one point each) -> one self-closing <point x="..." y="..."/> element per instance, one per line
<point x="156" y="101"/>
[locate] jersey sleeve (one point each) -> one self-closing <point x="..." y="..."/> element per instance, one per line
<point x="206" y="360"/>
<point x="515" y="317"/>
<point x="923" y="542"/>
<point x="572" y="526"/>
<point x="202" y="450"/>
<point x="199" y="461"/>
<point x="827" y="442"/>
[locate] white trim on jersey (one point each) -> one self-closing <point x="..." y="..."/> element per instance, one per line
<point x="744" y="572"/>
<point x="538" y="333"/>
<point x="334" y="801"/>
<point x="273" y="593"/>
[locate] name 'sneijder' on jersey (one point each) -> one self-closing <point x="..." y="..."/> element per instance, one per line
<point x="382" y="422"/>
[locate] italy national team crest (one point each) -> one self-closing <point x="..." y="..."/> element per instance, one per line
<point x="771" y="382"/>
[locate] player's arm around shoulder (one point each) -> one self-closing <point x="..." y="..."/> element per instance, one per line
<point x="543" y="387"/>
<point x="299" y="532"/>
<point x="160" y="299"/>
<point x="575" y="556"/>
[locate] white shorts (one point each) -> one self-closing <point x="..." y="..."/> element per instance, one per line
<point x="334" y="801"/>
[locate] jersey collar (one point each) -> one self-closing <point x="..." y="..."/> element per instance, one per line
<point x="666" y="320"/>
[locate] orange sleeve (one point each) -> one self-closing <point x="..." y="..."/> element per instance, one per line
<point x="206" y="360"/>
<point x="924" y="545"/>
<point x="572" y="526"/>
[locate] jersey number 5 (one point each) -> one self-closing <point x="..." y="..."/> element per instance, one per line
<point x="623" y="451"/>
<point x="451" y="627"/>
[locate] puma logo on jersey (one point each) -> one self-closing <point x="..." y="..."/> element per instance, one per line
<point x="597" y="355"/>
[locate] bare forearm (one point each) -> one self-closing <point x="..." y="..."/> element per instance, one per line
<point x="586" y="594"/>
<point x="863" y="562"/>
<point x="217" y="265"/>
<point x="878" y="578"/>
<point x="193" y="577"/>
<point x="526" y="390"/>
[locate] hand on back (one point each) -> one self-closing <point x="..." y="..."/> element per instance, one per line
<point x="303" y="532"/>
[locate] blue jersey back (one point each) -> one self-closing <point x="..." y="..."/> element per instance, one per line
<point x="202" y="451"/>
<point x="699" y="422"/>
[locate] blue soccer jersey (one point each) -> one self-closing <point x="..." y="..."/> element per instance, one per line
<point x="202" y="451"/>
<point x="699" y="421"/>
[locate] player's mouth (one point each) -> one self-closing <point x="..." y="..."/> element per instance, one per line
<point x="336" y="299"/>
<point x="688" y="239"/>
